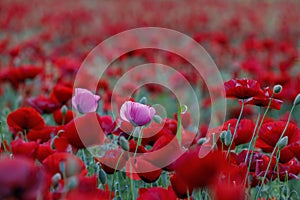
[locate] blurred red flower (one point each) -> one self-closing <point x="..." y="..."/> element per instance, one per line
<point x="243" y="88"/>
<point x="22" y="179"/>
<point x="24" y="119"/>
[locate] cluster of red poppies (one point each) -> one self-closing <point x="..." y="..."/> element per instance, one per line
<point x="44" y="143"/>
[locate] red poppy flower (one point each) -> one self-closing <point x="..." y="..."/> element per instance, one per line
<point x="84" y="131"/>
<point x="20" y="147"/>
<point x="24" y="119"/>
<point x="200" y="172"/>
<point x="59" y="118"/>
<point x="43" y="134"/>
<point x="242" y="88"/>
<point x="269" y="135"/>
<point x="146" y="171"/>
<point x="87" y="189"/>
<point x="156" y="193"/>
<point x="110" y="159"/>
<point x="17" y="75"/>
<point x="229" y="192"/>
<point x="44" y="104"/>
<point x="165" y="151"/>
<point x="43" y="151"/>
<point x="61" y="93"/>
<point x="21" y="179"/>
<point x="73" y="165"/>
<point x="180" y="187"/>
<point x="244" y="130"/>
<point x="263" y="101"/>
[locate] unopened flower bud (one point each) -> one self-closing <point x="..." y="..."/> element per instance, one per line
<point x="297" y="100"/>
<point x="143" y="100"/>
<point x="55" y="178"/>
<point x="228" y="137"/>
<point x="124" y="143"/>
<point x="277" y="89"/>
<point x="222" y="136"/>
<point x="157" y="119"/>
<point x="72" y="182"/>
<point x="283" y="142"/>
<point x="201" y="141"/>
<point x="64" y="110"/>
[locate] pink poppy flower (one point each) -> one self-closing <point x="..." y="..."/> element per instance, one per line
<point x="136" y="113"/>
<point x="85" y="101"/>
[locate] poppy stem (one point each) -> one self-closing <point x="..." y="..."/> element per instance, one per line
<point x="2" y="138"/>
<point x="250" y="147"/>
<point x="131" y="181"/>
<point x="114" y="176"/>
<point x="236" y="126"/>
<point x="274" y="150"/>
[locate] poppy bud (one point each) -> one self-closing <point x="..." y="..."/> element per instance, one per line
<point x="201" y="141"/>
<point x="143" y="100"/>
<point x="56" y="178"/>
<point x="102" y="176"/>
<point x="124" y="143"/>
<point x="64" y="110"/>
<point x="277" y="89"/>
<point x="72" y="183"/>
<point x="157" y="119"/>
<point x="62" y="167"/>
<point x="283" y="142"/>
<point x="297" y="100"/>
<point x="222" y="136"/>
<point x="228" y="137"/>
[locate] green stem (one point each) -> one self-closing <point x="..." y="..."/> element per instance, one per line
<point x="114" y="175"/>
<point x="274" y="150"/>
<point x="236" y="126"/>
<point x="250" y="147"/>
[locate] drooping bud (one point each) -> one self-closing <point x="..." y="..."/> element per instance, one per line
<point x="143" y="100"/>
<point x="283" y="142"/>
<point x="201" y="141"/>
<point x="55" y="178"/>
<point x="64" y="110"/>
<point x="124" y="143"/>
<point x="157" y="119"/>
<point x="277" y="89"/>
<point x="72" y="182"/>
<point x="297" y="100"/>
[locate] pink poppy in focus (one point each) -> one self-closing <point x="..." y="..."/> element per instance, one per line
<point x="85" y="101"/>
<point x="136" y="113"/>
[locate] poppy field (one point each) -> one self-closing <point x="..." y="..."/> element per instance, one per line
<point x="149" y="100"/>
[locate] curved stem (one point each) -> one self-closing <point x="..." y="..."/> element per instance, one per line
<point x="236" y="126"/>
<point x="274" y="150"/>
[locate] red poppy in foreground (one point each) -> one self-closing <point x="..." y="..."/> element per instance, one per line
<point x="85" y="131"/>
<point x="200" y="172"/>
<point x="21" y="179"/>
<point x="72" y="164"/>
<point x="243" y="88"/>
<point x="24" y="119"/>
<point x="156" y="193"/>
